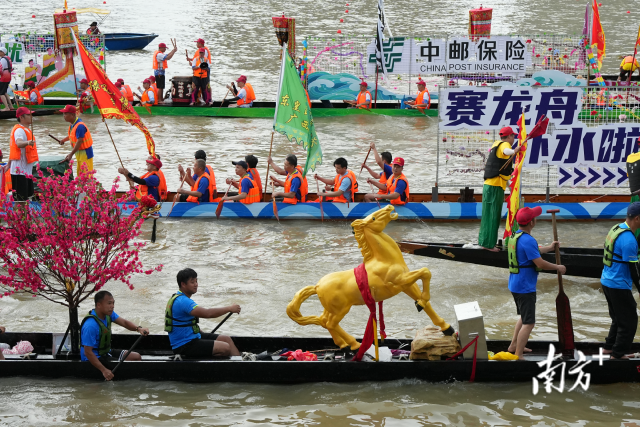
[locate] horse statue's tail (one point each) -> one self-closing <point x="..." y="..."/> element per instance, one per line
<point x="293" y="309"/>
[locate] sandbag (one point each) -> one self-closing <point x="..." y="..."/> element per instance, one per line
<point x="431" y="344"/>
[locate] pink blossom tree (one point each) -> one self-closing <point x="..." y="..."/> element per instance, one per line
<point x="70" y="243"/>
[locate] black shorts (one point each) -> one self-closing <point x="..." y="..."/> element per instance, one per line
<point x="115" y="355"/>
<point x="22" y="187"/>
<point x="3" y="87"/>
<point x="200" y="347"/>
<point x="160" y="81"/>
<point x="526" y="307"/>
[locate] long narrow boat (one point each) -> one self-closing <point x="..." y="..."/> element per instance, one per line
<point x="158" y="366"/>
<point x="581" y="262"/>
<point x="48" y="111"/>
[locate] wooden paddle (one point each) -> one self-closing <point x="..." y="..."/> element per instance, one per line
<point x="220" y="324"/>
<point x="563" y="308"/>
<point x="377" y="201"/>
<point x="177" y="196"/>
<point x="275" y="206"/>
<point x="362" y="167"/>
<point x="113" y="371"/>
<point x="221" y="203"/>
<point x="320" y="200"/>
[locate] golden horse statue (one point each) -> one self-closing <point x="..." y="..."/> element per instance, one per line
<point x="388" y="275"/>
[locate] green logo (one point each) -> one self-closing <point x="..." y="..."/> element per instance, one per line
<point x="392" y="51"/>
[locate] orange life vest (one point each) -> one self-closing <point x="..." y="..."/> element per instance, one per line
<point x="143" y="190"/>
<point x="128" y="93"/>
<point x="392" y="183"/>
<point x="40" y="98"/>
<point x="254" y="195"/>
<point x="304" y="187"/>
<point x="88" y="140"/>
<point x="420" y="99"/>
<point x="251" y="96"/>
<point x="208" y="55"/>
<point x="31" y="152"/>
<point x="194" y="187"/>
<point x="362" y="98"/>
<point x="629" y="63"/>
<point x="155" y="93"/>
<point x="199" y="72"/>
<point x="287" y="187"/>
<point x="256" y="178"/>
<point x="145" y="100"/>
<point x="354" y="186"/>
<point x="155" y="61"/>
<point x="383" y="180"/>
<point x="7" y="187"/>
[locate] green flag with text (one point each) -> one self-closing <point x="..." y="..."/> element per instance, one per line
<point x="293" y="116"/>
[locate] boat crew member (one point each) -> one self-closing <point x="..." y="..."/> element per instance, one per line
<point x="200" y="66"/>
<point x="252" y="162"/>
<point x="201" y="154"/>
<point x="86" y="99"/>
<point x="343" y="187"/>
<point x="93" y="29"/>
<point x="618" y="275"/>
<point x="200" y="45"/>
<point x="294" y="190"/>
<point x="160" y="59"/>
<point x="384" y="161"/>
<point x="245" y="96"/>
<point x="423" y="99"/>
<point x="148" y="97"/>
<point x="633" y="172"/>
<point x="35" y="98"/>
<point x="154" y="86"/>
<point x="5" y="78"/>
<point x="181" y="322"/>
<point x="80" y="138"/>
<point x="126" y="90"/>
<point x="202" y="188"/>
<point x="95" y="335"/>
<point x="524" y="264"/>
<point x="152" y="183"/>
<point x="363" y="100"/>
<point x="247" y="189"/>
<point x="497" y="171"/>
<point x="397" y="186"/>
<point x="627" y="67"/>
<point x="22" y="155"/>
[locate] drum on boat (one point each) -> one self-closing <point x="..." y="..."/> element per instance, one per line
<point x="181" y="89"/>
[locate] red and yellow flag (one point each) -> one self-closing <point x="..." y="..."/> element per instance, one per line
<point x="513" y="201"/>
<point x="597" y="33"/>
<point x="108" y="98"/>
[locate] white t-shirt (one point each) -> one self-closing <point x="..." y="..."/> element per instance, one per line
<point x="151" y="95"/>
<point x="21" y="167"/>
<point x="33" y="98"/>
<point x="160" y="58"/>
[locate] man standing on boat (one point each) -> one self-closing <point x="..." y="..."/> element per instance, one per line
<point x="160" y="59"/>
<point x="151" y="183"/>
<point x="22" y="155"/>
<point x="525" y="262"/>
<point x="396" y="189"/>
<point x="245" y="96"/>
<point x="363" y="99"/>
<point x="95" y="335"/>
<point x="627" y="67"/>
<point x="384" y="161"/>
<point x="343" y="187"/>
<point x="497" y="171"/>
<point x="200" y="66"/>
<point x="5" y="78"/>
<point x="80" y="138"/>
<point x="247" y="189"/>
<point x="294" y="190"/>
<point x="86" y="99"/>
<point x="181" y="322"/>
<point x="202" y="189"/>
<point x="423" y="99"/>
<point x="618" y="275"/>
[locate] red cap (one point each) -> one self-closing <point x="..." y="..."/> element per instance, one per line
<point x="526" y="215"/>
<point x="118" y="85"/>
<point x="155" y="162"/>
<point x="84" y="81"/>
<point x="31" y="84"/>
<point x="241" y="79"/>
<point x="506" y="131"/>
<point x="202" y="50"/>
<point x="68" y="109"/>
<point x="201" y="41"/>
<point x="420" y="82"/>
<point x="398" y="161"/>
<point x="152" y="79"/>
<point x="146" y="81"/>
<point x="364" y="84"/>
<point x="161" y="45"/>
<point x="22" y="111"/>
<point x="121" y="80"/>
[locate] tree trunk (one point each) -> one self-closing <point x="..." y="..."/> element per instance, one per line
<point x="74" y="330"/>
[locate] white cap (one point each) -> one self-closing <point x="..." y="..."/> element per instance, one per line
<point x="3" y="50"/>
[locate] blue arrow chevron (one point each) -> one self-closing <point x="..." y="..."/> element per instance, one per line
<point x="594" y="176"/>
<point x="623" y="176"/>
<point x="610" y="176"/>
<point x="579" y="176"/>
<point x="565" y="176"/>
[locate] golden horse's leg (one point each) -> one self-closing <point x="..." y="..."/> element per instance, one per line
<point x="422" y="298"/>
<point x="331" y="321"/>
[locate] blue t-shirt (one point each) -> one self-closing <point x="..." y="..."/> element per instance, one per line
<point x="182" y="308"/>
<point x="625" y="249"/>
<point x="245" y="186"/>
<point x="400" y="189"/>
<point x="345" y="186"/>
<point x="526" y="251"/>
<point x="81" y="131"/>
<point x="203" y="188"/>
<point x="90" y="334"/>
<point x="387" y="170"/>
<point x="153" y="182"/>
<point x="295" y="188"/>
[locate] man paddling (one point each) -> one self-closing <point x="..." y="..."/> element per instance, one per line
<point x="618" y="275"/>
<point x="423" y="99"/>
<point x="497" y="171"/>
<point x="202" y="189"/>
<point x="181" y="322"/>
<point x="245" y="96"/>
<point x="294" y="191"/>
<point x="524" y="264"/>
<point x="252" y="162"/>
<point x="152" y="183"/>
<point x="191" y="179"/>
<point x="384" y="161"/>
<point x="80" y="138"/>
<point x="363" y="99"/>
<point x="95" y="335"/>
<point x="160" y="59"/>
<point x="247" y="188"/>
<point x="396" y="188"/>
<point x="343" y="187"/>
<point x="22" y="155"/>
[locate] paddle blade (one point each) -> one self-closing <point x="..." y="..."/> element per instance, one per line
<point x="565" y="324"/>
<point x="219" y="209"/>
<point x="275" y="209"/>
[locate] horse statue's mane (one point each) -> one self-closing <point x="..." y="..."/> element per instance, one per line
<point x="358" y="232"/>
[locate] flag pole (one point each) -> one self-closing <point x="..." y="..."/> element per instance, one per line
<point x="375" y="102"/>
<point x="275" y="116"/>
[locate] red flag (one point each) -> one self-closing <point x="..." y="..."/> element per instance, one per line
<point x="597" y="33"/>
<point x="540" y="128"/>
<point x="108" y="98"/>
